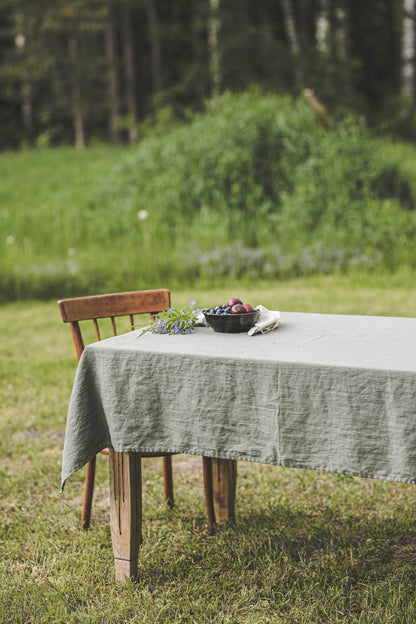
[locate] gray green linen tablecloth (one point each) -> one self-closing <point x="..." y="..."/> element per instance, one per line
<point x="327" y="392"/>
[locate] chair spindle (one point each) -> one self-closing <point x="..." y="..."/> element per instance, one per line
<point x="97" y="329"/>
<point x="113" y="325"/>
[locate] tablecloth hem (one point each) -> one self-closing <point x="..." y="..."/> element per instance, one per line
<point x="238" y="456"/>
<point x="81" y="464"/>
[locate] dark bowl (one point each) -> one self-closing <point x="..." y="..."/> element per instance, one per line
<point x="231" y="323"/>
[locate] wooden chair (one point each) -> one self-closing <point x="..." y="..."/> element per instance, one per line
<point x="111" y="306"/>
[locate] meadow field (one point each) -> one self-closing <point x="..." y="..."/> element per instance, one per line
<point x="307" y="547"/>
<point x="330" y="228"/>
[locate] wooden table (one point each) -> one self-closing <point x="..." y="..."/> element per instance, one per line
<point x="327" y="392"/>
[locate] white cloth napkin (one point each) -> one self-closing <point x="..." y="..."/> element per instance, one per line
<point x="267" y="320"/>
<point x="201" y="322"/>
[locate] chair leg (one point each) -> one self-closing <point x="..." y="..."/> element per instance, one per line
<point x="168" y="480"/>
<point x="88" y="492"/>
<point x="209" y="493"/>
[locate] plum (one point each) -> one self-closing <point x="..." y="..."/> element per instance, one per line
<point x="238" y="308"/>
<point x="233" y="302"/>
<point x="249" y="308"/>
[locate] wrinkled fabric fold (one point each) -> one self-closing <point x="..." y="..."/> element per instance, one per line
<point x="325" y="392"/>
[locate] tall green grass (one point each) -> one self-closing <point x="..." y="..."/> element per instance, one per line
<point x="51" y="240"/>
<point x="255" y="188"/>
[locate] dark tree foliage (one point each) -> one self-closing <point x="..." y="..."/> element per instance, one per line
<point x="79" y="70"/>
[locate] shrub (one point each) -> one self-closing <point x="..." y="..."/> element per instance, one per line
<point x="264" y="171"/>
<point x="256" y="187"/>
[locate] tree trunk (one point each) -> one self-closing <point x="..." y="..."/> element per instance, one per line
<point x="290" y="26"/>
<point x="76" y="93"/>
<point x="155" y="47"/>
<point x="25" y="89"/>
<point x="322" y="27"/>
<point x="201" y="83"/>
<point x="214" y="52"/>
<point x="266" y="28"/>
<point x="130" y="73"/>
<point x="243" y="15"/>
<point x="292" y="36"/>
<point x="408" y="49"/>
<point x="341" y="20"/>
<point x="27" y="115"/>
<point x="112" y="77"/>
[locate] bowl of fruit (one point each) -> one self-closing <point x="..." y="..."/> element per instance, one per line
<point x="232" y="317"/>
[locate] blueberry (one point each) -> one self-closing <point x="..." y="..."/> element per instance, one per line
<point x="228" y="310"/>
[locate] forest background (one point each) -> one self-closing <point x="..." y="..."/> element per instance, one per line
<point x="227" y="141"/>
<point x="81" y="70"/>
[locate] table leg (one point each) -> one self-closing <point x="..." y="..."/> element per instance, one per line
<point x="125" y="512"/>
<point x="224" y="481"/>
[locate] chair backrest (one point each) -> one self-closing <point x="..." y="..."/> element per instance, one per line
<point x="110" y="306"/>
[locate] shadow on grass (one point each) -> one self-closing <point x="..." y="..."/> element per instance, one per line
<point x="334" y="548"/>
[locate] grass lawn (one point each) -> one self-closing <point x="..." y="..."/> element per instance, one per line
<point x="308" y="547"/>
